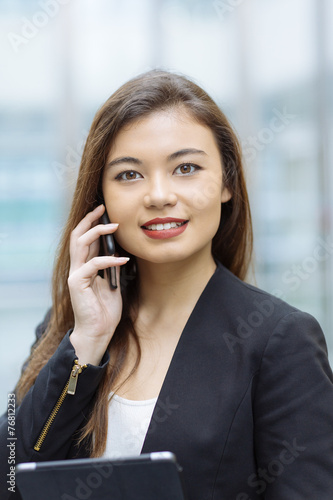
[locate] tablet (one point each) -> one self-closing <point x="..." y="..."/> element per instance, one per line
<point x="150" y="476"/>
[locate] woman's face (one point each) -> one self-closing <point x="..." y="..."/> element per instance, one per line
<point x="162" y="183"/>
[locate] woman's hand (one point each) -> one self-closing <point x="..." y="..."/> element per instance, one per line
<point x="97" y="308"/>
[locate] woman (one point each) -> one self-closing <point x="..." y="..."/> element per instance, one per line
<point x="232" y="380"/>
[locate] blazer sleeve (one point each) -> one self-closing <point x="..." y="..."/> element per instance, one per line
<point x="42" y="400"/>
<point x="293" y="410"/>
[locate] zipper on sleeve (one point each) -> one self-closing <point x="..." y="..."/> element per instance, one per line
<point x="69" y="388"/>
<point x="72" y="383"/>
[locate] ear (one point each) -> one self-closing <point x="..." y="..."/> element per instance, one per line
<point x="226" y="195"/>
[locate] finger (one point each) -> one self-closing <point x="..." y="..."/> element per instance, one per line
<point x="88" y="221"/>
<point x="91" y="219"/>
<point x="90" y="269"/>
<point x="117" y="274"/>
<point x="94" y="233"/>
<point x="87" y="246"/>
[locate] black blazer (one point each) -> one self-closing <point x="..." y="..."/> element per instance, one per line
<point x="246" y="405"/>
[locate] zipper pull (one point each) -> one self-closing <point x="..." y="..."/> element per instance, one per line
<point x="72" y="383"/>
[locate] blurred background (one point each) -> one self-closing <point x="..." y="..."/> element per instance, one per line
<point x="268" y="64"/>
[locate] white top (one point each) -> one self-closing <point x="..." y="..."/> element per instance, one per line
<point x="128" y="425"/>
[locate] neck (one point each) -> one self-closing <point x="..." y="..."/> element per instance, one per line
<point x="168" y="289"/>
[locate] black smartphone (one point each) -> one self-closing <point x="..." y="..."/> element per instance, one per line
<point x="109" y="248"/>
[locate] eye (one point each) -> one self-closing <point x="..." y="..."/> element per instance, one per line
<point x="186" y="169"/>
<point x="128" y="175"/>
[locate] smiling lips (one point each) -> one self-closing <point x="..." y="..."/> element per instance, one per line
<point x="167" y="227"/>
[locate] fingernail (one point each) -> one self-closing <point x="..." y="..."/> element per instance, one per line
<point x="125" y="259"/>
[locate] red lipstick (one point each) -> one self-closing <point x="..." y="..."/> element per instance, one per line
<point x="163" y="220"/>
<point x="161" y="234"/>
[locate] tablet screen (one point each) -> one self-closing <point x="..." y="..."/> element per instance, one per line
<point x="151" y="476"/>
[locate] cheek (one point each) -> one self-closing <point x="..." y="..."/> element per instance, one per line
<point x="121" y="240"/>
<point x="207" y="198"/>
<point x="207" y="210"/>
<point x="122" y="211"/>
<point x="118" y="213"/>
<point x="125" y="236"/>
<point x="119" y="205"/>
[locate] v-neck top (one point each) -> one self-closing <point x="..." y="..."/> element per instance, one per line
<point x="127" y="426"/>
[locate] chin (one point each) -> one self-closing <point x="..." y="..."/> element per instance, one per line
<point x="159" y="258"/>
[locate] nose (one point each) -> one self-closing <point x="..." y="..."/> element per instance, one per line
<point x="159" y="193"/>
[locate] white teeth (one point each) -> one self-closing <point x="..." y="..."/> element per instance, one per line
<point x="161" y="227"/>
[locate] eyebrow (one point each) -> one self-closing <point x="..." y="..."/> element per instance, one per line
<point x="173" y="156"/>
<point x="183" y="152"/>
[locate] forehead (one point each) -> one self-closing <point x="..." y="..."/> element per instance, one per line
<point x="166" y="130"/>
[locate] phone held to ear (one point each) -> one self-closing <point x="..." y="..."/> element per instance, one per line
<point x="109" y="249"/>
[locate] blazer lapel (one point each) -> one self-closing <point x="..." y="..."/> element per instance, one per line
<point x="181" y="387"/>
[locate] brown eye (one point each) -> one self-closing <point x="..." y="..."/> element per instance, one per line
<point x="186" y="168"/>
<point x="128" y="175"/>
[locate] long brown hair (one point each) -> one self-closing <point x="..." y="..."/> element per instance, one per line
<point x="232" y="245"/>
